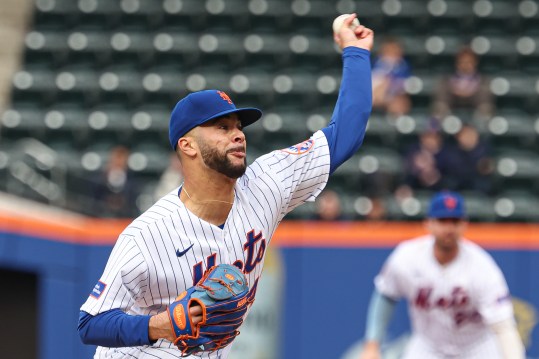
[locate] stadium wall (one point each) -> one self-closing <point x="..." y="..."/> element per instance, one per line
<point x="327" y="277"/>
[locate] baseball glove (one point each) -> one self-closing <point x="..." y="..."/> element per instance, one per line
<point x="222" y="295"/>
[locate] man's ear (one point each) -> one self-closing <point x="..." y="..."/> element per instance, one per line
<point x="187" y="146"/>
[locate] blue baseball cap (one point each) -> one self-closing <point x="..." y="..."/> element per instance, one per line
<point x="202" y="106"/>
<point x="447" y="205"/>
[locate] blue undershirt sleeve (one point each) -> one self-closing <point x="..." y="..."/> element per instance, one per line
<point x="346" y="129"/>
<point x="114" y="328"/>
<point x="381" y="309"/>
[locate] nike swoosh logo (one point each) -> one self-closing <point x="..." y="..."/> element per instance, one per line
<point x="179" y="254"/>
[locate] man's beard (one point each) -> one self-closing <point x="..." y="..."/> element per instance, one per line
<point x="447" y="244"/>
<point x="220" y="162"/>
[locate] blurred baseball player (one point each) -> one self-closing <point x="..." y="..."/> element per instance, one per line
<point x="225" y="212"/>
<point x="459" y="303"/>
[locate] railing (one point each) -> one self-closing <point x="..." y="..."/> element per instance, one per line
<point x="40" y="170"/>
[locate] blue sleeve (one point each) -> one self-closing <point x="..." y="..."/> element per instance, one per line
<point x="406" y="70"/>
<point x="346" y="129"/>
<point x="114" y="328"/>
<point x="381" y="309"/>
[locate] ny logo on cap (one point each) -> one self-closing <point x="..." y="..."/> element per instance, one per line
<point x="450" y="202"/>
<point x="225" y="97"/>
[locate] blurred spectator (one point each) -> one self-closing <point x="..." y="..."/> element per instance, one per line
<point x="377" y="184"/>
<point x="400" y="105"/>
<point x="465" y="91"/>
<point x="114" y="189"/>
<point x="377" y="210"/>
<point x="170" y="179"/>
<point x="390" y="70"/>
<point x="428" y="162"/>
<point x="473" y="165"/>
<point x="328" y="207"/>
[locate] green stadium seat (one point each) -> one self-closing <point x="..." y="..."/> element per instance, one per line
<point x="366" y="167"/>
<point x="529" y="14"/>
<point x="516" y="168"/>
<point x="46" y="49"/>
<point x="511" y="128"/>
<point x="34" y="86"/>
<point x="177" y="50"/>
<point x="496" y="16"/>
<point x="479" y="207"/>
<point x="516" y="205"/>
<point x="405" y="17"/>
<point x="150" y="157"/>
<point x="21" y="122"/>
<point x="64" y="14"/>
<point x="450" y="17"/>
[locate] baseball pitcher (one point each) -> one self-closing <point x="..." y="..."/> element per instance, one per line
<point x="168" y="289"/>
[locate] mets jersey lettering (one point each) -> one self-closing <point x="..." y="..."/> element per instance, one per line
<point x="249" y="247"/>
<point x="167" y="249"/>
<point x="457" y="302"/>
<point x="249" y="266"/>
<point x="457" y="299"/>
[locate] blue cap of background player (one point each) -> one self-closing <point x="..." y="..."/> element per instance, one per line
<point x="447" y="205"/>
<point x="199" y="107"/>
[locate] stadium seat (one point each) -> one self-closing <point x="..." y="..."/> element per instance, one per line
<point x="64" y="14"/>
<point x="516" y="169"/>
<point x="508" y="128"/>
<point x="495" y="17"/>
<point x="479" y="207"/>
<point x="450" y="17"/>
<point x="367" y="168"/>
<point x="516" y="205"/>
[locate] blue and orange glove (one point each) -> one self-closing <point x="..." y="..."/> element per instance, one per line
<point x="222" y="295"/>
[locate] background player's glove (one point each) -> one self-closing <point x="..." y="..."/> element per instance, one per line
<point x="222" y="295"/>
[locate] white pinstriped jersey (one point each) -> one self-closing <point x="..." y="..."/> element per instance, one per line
<point x="165" y="250"/>
<point x="452" y="306"/>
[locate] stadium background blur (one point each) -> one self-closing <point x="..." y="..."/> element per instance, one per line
<point x="86" y="88"/>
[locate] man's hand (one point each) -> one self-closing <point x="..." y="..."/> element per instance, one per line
<point x="159" y="326"/>
<point x="221" y="299"/>
<point x="361" y="36"/>
<point x="371" y="350"/>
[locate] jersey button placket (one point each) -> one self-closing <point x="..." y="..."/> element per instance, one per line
<point x="227" y="245"/>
